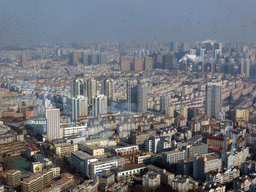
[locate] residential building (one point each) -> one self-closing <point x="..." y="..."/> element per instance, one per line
<point x="183" y="183"/>
<point x="204" y="164"/>
<point x="98" y="166"/>
<point x="166" y="177"/>
<point x="107" y="88"/>
<point x="87" y="186"/>
<point x="65" y="148"/>
<point x="13" y="178"/>
<point x="99" y="105"/>
<point x="222" y="177"/>
<point x="37" y="181"/>
<point x="53" y="124"/>
<point x="146" y="159"/>
<point x="92" y="150"/>
<point x="79" y="107"/>
<point x="197" y="148"/>
<point x="128" y="171"/>
<point x="174" y="156"/>
<point x="218" y="142"/>
<point x="151" y="180"/>
<point x="213" y="99"/>
<point x="80" y="161"/>
<point x="107" y="179"/>
<point x="126" y="150"/>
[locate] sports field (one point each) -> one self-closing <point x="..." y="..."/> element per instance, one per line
<point x="21" y="164"/>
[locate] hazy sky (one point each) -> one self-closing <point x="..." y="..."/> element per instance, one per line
<point x="88" y="21"/>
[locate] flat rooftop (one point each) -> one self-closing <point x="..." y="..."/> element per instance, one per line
<point x="81" y="155"/>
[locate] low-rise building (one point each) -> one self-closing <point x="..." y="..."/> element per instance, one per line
<point x="92" y="149"/>
<point x="78" y="161"/>
<point x="87" y="186"/>
<point x="107" y="179"/>
<point x="151" y="180"/>
<point x="118" y="187"/>
<point x="222" y="177"/>
<point x="166" y="177"/>
<point x="183" y="184"/>
<point x="126" y="150"/>
<point x="174" y="156"/>
<point x="243" y="183"/>
<point x="128" y="171"/>
<point x="98" y="166"/>
<point x="65" y="148"/>
<point x="146" y="159"/>
<point x="31" y="150"/>
<point x="41" y="163"/>
<point x="248" y="167"/>
<point x="64" y="183"/>
<point x="211" y="187"/>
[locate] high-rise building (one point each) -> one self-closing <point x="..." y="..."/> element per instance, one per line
<point x="126" y="64"/>
<point x="99" y="105"/>
<point x="241" y="65"/>
<point x="247" y="68"/>
<point x="217" y="53"/>
<point x="23" y="61"/>
<point x="103" y="57"/>
<point x="86" y="57"/>
<point x="95" y="57"/>
<point x="148" y="65"/>
<point x="167" y="61"/>
<point x="170" y="110"/>
<point x="78" y="87"/>
<point x="107" y="88"/>
<point x="142" y="96"/>
<point x="131" y="94"/>
<point x="164" y="101"/>
<point x="137" y="95"/>
<point x="44" y="50"/>
<point x="202" y="52"/>
<point x="171" y="46"/>
<point x="138" y="64"/>
<point x="91" y="85"/>
<point x="192" y="52"/>
<point x="213" y="99"/>
<point x="79" y="107"/>
<point x="73" y="58"/>
<point x="58" y="52"/>
<point x="184" y="111"/>
<point x="53" y="124"/>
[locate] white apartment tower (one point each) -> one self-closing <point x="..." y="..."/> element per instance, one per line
<point x="99" y="105"/>
<point x="53" y="124"/>
<point x="79" y="107"/>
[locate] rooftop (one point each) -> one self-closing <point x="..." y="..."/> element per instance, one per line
<point x="134" y="166"/>
<point x="81" y="155"/>
<point x="32" y="148"/>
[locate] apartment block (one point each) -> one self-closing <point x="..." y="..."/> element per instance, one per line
<point x="65" y="148"/>
<point x="174" y="156"/>
<point x="36" y="182"/>
<point x="92" y="149"/>
<point x="166" y="177"/>
<point x="151" y="180"/>
<point x="13" y="178"/>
